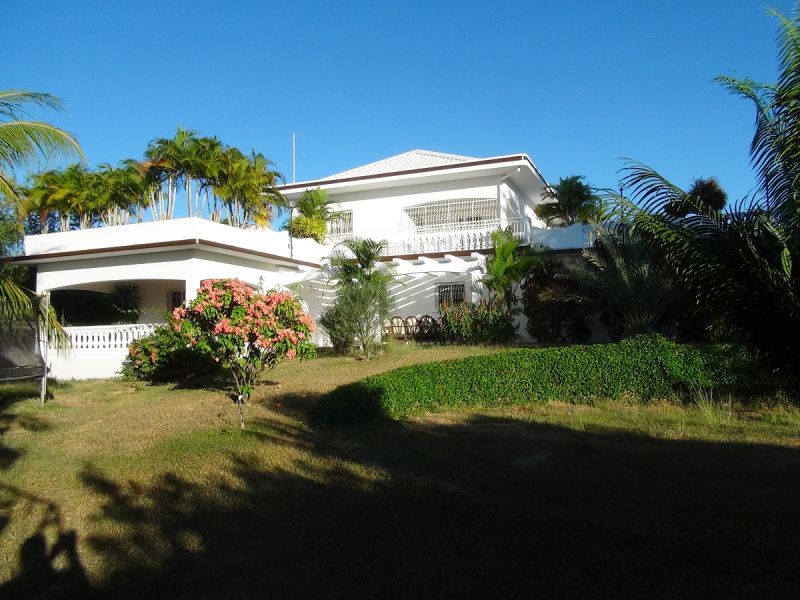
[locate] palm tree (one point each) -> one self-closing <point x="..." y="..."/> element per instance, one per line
<point x="570" y="201"/>
<point x="363" y="299"/>
<point x="314" y="213"/>
<point x="620" y="282"/>
<point x="358" y="262"/>
<point x="248" y="188"/>
<point x="507" y="266"/>
<point x="742" y="262"/>
<point x="20" y="142"/>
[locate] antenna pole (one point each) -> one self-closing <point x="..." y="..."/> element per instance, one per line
<point x="294" y="158"/>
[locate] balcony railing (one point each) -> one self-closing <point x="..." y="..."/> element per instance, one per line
<point x="98" y="337"/>
<point x="445" y="237"/>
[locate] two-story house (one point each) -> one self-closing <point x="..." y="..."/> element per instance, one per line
<point x="435" y="212"/>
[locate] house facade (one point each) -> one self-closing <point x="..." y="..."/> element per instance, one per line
<point x="435" y="212"/>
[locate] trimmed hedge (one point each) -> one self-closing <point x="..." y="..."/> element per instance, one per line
<point x="647" y="367"/>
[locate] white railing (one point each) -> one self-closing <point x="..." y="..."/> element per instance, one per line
<point x="445" y="237"/>
<point x="98" y="337"/>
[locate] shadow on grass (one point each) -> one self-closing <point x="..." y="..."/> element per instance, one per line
<point x="487" y="508"/>
<point x="11" y="394"/>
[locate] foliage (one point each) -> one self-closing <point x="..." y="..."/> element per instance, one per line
<point x="570" y="201"/>
<point x="21" y="141"/>
<point x="706" y="191"/>
<point x="248" y="331"/>
<point x="339" y="322"/>
<point x="302" y="226"/>
<point x="742" y="262"/>
<point x="362" y="294"/>
<point x="312" y="218"/>
<point x="619" y="281"/>
<point x="553" y="322"/>
<point x="167" y="354"/>
<point x="506" y="266"/>
<point x="218" y="180"/>
<point x="488" y="322"/>
<point x="644" y="367"/>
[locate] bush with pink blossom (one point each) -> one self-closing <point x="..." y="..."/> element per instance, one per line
<point x="248" y="331"/>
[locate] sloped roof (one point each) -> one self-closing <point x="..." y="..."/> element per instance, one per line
<point x="413" y="159"/>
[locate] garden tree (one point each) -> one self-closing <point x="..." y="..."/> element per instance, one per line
<point x="313" y="216"/>
<point x="22" y="141"/>
<point x="363" y="300"/>
<point x="170" y="160"/>
<point x="743" y="263"/>
<point x="249" y="332"/>
<point x="553" y="322"/>
<point x="570" y="201"/>
<point x="703" y="191"/>
<point x="248" y="188"/>
<point x="619" y="281"/>
<point x="506" y="266"/>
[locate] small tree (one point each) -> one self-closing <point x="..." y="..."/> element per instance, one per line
<point x="313" y="215"/>
<point x="362" y="295"/>
<point x="250" y="332"/>
<point x="507" y="266"/>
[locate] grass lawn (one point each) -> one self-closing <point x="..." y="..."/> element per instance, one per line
<point x="125" y="489"/>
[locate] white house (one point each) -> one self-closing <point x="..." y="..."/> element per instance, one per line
<point x="435" y="211"/>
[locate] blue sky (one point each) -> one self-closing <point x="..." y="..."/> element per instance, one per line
<point x="575" y="84"/>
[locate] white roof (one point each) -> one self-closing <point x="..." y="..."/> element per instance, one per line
<point x="413" y="159"/>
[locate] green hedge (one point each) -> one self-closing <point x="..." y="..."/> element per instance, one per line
<point x="646" y="367"/>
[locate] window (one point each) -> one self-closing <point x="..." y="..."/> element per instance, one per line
<point x="341" y="224"/>
<point x="450" y="293"/>
<point x="175" y="299"/>
<point x="455" y="214"/>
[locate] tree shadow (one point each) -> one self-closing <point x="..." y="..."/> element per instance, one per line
<point x="49" y="563"/>
<point x="490" y="507"/>
<point x="11" y="394"/>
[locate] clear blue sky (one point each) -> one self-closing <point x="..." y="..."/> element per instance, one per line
<point x="575" y="84"/>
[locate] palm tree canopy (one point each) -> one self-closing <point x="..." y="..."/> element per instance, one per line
<point x="570" y="201"/>
<point x="23" y="140"/>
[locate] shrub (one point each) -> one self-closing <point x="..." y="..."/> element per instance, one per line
<point x="339" y="323"/>
<point x="646" y="367"/>
<point x="308" y="227"/>
<point x="484" y="323"/>
<point x="167" y="355"/>
<point x="552" y="322"/>
<point x="248" y="331"/>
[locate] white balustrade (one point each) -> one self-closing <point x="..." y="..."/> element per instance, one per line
<point x="447" y="238"/>
<point x="107" y="336"/>
<point x="95" y="351"/>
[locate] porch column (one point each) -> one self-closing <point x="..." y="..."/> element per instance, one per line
<point x="191" y="283"/>
<point x="502" y="204"/>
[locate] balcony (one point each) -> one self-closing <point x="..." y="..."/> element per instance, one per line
<point x="469" y="236"/>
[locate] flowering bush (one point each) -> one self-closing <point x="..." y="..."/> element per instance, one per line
<point x="248" y="332"/>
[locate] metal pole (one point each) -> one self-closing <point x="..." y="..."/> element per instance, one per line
<point x="291" y="210"/>
<point x="44" y="308"/>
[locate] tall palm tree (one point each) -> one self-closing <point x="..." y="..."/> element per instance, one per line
<point x="743" y="262"/>
<point x="21" y="141"/>
<point x="570" y="201"/>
